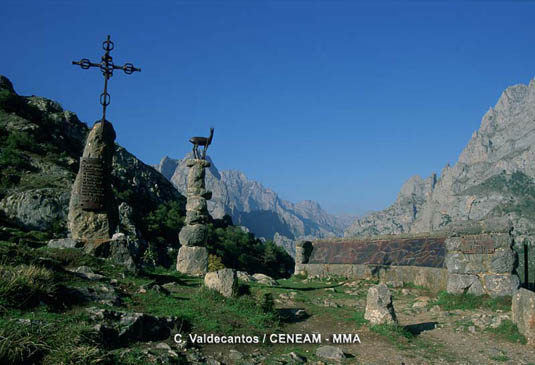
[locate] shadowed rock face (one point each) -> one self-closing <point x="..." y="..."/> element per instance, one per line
<point x="493" y="177"/>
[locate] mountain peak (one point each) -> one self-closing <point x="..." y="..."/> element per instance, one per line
<point x="6" y="84"/>
<point x="475" y="187"/>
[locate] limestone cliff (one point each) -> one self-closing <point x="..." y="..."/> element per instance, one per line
<point x="492" y="178"/>
<point x="399" y="217"/>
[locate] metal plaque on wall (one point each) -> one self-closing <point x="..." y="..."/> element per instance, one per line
<point x="479" y="244"/>
<point x="92" y="191"/>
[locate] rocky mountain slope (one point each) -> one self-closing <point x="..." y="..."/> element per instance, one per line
<point x="39" y="156"/>
<point x="257" y="208"/>
<point x="494" y="176"/>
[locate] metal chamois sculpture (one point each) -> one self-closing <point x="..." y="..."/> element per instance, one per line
<point x="201" y="141"/>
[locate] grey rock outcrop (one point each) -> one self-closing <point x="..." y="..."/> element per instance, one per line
<point x="65" y="243"/>
<point x="523" y="309"/>
<point x="255" y="207"/>
<point x="37" y="209"/>
<point x="493" y="177"/>
<point x="379" y="307"/>
<point x="124" y="328"/>
<point x="224" y="281"/>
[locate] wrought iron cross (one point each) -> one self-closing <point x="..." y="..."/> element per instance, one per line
<point x="106" y="67"/>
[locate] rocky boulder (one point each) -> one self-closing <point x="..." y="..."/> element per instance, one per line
<point x="124" y="328"/>
<point x="523" y="309"/>
<point x="65" y="243"/>
<point x="265" y="279"/>
<point x="224" y="281"/>
<point x="379" y="307"/>
<point x="244" y="276"/>
<point x="192" y="260"/>
<point x="332" y="353"/>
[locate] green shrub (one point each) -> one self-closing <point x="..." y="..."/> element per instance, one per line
<point x="242" y="251"/>
<point x="163" y="224"/>
<point x="215" y="263"/>
<point x="265" y="302"/>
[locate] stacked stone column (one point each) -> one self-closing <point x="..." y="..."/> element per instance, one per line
<point x="193" y="256"/>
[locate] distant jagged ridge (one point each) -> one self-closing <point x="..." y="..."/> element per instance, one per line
<point x="257" y="208"/>
<point x="494" y="177"/>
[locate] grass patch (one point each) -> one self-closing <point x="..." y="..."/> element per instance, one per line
<point x="21" y="343"/>
<point x="508" y="331"/>
<point x="448" y="301"/>
<point x="359" y="319"/>
<point x="394" y="333"/>
<point x="23" y="286"/>
<point x="502" y="358"/>
<point x="206" y="311"/>
<point x="48" y="339"/>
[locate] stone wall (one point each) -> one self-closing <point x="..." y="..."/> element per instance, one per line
<point x="429" y="277"/>
<point x="417" y="260"/>
<point x="480" y="260"/>
<point x="473" y="257"/>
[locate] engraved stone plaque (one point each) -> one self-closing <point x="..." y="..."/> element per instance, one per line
<point x="428" y="252"/>
<point x="92" y="191"/>
<point x="478" y="244"/>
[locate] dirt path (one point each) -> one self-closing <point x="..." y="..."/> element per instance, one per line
<point x="443" y="337"/>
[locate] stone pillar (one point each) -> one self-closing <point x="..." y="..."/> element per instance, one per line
<point x="480" y="260"/>
<point x="93" y="213"/>
<point x="192" y="256"/>
<point x="303" y="249"/>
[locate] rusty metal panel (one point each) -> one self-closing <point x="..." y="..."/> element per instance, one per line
<point x="428" y="252"/>
<point x="479" y="244"/>
<point x="92" y="190"/>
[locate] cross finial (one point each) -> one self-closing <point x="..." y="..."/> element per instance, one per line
<point x="106" y="67"/>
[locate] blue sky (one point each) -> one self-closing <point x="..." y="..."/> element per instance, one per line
<point x="337" y="102"/>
